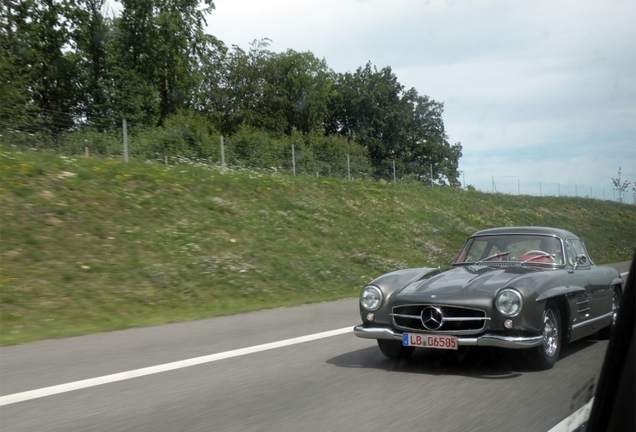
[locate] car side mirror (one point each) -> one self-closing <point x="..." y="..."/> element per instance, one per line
<point x="580" y="260"/>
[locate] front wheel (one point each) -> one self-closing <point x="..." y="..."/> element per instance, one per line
<point x="605" y="333"/>
<point x="547" y="354"/>
<point x="394" y="349"/>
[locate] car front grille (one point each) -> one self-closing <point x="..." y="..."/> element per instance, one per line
<point x="439" y="318"/>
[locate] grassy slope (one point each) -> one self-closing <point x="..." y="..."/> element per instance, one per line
<point x="91" y="245"/>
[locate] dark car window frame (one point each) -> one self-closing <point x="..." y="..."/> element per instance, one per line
<point x="575" y="247"/>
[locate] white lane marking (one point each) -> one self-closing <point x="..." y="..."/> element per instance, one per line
<point x="575" y="420"/>
<point x="107" y="379"/>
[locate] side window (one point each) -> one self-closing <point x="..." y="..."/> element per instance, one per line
<point x="579" y="248"/>
<point x="570" y="253"/>
<point x="575" y="247"/>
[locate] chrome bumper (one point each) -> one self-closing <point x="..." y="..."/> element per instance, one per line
<point x="486" y="340"/>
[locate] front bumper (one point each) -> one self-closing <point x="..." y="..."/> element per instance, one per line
<point x="486" y="340"/>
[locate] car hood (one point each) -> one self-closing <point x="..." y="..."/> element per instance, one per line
<point x="465" y="281"/>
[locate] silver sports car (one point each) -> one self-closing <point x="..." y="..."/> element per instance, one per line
<point x="528" y="288"/>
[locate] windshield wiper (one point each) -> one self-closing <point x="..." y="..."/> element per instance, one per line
<point x="497" y="255"/>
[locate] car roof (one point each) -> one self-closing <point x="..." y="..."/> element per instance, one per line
<point x="527" y="230"/>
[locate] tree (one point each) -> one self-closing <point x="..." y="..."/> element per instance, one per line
<point x="620" y="187"/>
<point x="13" y="86"/>
<point x="366" y="106"/>
<point x="209" y="95"/>
<point x="181" y="41"/>
<point x="90" y="35"/>
<point x="394" y="124"/>
<point x="426" y="143"/>
<point x="159" y="47"/>
<point x="42" y="72"/>
<point x="230" y="90"/>
<point x="297" y="91"/>
<point x="277" y="92"/>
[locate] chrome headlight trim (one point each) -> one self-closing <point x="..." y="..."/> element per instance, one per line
<point x="509" y="302"/>
<point x="371" y="298"/>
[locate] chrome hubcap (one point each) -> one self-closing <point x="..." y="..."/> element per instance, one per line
<point x="550" y="333"/>
<point x="616" y="300"/>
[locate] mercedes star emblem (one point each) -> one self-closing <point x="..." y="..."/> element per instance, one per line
<point x="432" y="318"/>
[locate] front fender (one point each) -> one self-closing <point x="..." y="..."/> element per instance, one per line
<point x="570" y="307"/>
<point x="559" y="291"/>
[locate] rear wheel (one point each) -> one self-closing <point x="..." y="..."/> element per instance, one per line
<point x="605" y="333"/>
<point x="547" y="354"/>
<point x="394" y="349"/>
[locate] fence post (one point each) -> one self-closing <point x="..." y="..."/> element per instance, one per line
<point x="393" y="172"/>
<point x="348" y="169"/>
<point x="222" y="153"/>
<point x="293" y="160"/>
<point x="85" y="151"/>
<point x="123" y="124"/>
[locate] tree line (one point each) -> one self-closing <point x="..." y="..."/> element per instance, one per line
<point x="73" y="65"/>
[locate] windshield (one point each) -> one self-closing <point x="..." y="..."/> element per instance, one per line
<point x="535" y="249"/>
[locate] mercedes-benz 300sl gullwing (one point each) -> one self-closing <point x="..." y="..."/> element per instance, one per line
<point x="531" y="288"/>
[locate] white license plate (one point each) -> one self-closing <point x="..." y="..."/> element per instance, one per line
<point x="429" y="341"/>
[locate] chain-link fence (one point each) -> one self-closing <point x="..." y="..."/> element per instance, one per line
<point x="174" y="143"/>
<point x="183" y="140"/>
<point x="545" y="188"/>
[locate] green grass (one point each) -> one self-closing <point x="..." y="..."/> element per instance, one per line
<point x="90" y="245"/>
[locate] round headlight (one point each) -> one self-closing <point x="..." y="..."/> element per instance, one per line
<point x="371" y="298"/>
<point x="509" y="302"/>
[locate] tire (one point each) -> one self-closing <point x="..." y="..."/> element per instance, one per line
<point x="547" y="354"/>
<point x="394" y="349"/>
<point x="606" y="332"/>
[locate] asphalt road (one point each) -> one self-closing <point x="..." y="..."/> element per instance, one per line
<point x="335" y="383"/>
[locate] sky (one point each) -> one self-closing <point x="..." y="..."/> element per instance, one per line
<point x="541" y="94"/>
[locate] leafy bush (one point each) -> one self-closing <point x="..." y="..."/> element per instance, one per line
<point x="255" y="148"/>
<point x="331" y="156"/>
<point x="183" y="134"/>
<point x="24" y="140"/>
<point x="313" y="153"/>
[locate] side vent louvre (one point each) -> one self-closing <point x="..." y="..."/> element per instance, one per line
<point x="582" y="303"/>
